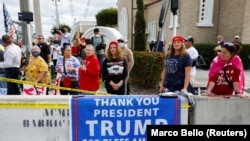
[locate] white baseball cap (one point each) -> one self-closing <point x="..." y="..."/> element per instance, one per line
<point x="237" y="36"/>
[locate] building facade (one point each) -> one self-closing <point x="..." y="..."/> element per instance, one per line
<point x="82" y="26"/>
<point x="202" y="19"/>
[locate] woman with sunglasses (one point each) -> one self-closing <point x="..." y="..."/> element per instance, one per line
<point x="114" y="70"/>
<point x="226" y="74"/>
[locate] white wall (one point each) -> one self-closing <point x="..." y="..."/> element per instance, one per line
<point x="40" y="118"/>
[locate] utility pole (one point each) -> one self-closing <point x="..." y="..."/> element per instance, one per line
<point x="37" y="15"/>
<point x="174" y="8"/>
<point x="57" y="15"/>
<point x="26" y="32"/>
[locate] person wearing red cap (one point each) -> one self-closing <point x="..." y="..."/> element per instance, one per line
<point x="75" y="48"/>
<point x="114" y="70"/>
<point x="177" y="68"/>
<point x="82" y="45"/>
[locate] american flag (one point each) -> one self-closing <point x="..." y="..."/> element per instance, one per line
<point x="10" y="28"/>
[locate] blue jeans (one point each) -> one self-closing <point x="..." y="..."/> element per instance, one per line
<point x="100" y="58"/>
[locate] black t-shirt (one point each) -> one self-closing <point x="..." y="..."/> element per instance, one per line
<point x="45" y="51"/>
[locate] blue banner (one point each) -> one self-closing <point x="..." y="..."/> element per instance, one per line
<point x="120" y="118"/>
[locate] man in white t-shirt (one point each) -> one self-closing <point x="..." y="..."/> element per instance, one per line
<point x="11" y="63"/>
<point x="189" y="43"/>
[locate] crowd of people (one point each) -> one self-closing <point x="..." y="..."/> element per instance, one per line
<point x="83" y="62"/>
<point x="88" y="62"/>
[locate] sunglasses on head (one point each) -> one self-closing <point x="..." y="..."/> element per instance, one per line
<point x="228" y="45"/>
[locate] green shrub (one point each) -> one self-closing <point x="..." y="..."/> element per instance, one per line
<point x="206" y="50"/>
<point x="147" y="69"/>
<point x="244" y="55"/>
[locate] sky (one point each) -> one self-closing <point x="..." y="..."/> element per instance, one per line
<point x="66" y="8"/>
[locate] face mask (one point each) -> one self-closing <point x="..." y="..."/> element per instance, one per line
<point x="97" y="35"/>
<point x="121" y="44"/>
<point x="218" y="42"/>
<point x="35" y="54"/>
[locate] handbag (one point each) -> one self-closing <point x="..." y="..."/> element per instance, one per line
<point x="68" y="81"/>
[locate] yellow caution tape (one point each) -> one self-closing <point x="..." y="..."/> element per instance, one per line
<point x="34" y="105"/>
<point x="51" y="86"/>
<point x="185" y="106"/>
<point x="49" y="105"/>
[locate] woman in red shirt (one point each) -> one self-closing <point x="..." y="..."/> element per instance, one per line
<point x="75" y="48"/>
<point x="226" y="74"/>
<point x="89" y="72"/>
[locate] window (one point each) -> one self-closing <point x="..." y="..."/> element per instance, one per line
<point x="123" y="23"/>
<point x="152" y="31"/>
<point x="206" y="13"/>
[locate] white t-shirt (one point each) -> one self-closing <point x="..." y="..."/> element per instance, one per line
<point x="12" y="57"/>
<point x="194" y="55"/>
<point x="56" y="51"/>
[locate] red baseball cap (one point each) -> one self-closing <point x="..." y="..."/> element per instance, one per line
<point x="178" y="38"/>
<point x="83" y="38"/>
<point x="113" y="42"/>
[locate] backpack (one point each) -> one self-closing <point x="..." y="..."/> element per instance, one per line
<point x="100" y="46"/>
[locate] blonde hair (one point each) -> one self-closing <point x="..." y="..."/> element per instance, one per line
<point x="172" y="50"/>
<point x="119" y="56"/>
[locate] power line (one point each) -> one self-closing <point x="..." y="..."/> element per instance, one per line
<point x="72" y="10"/>
<point x="86" y="9"/>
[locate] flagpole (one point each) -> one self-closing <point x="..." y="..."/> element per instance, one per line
<point x="10" y="28"/>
